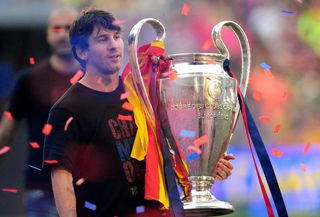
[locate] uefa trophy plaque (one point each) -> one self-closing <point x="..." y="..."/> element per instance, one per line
<point x="202" y="100"/>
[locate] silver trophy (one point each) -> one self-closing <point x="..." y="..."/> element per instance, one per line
<point x="200" y="103"/>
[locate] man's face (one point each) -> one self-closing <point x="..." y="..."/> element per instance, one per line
<point x="105" y="51"/>
<point x="58" y="32"/>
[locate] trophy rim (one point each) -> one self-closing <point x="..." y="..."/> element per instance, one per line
<point x="197" y="57"/>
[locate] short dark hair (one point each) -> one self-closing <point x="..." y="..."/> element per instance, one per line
<point x="82" y="28"/>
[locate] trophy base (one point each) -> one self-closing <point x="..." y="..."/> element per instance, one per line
<point x="201" y="202"/>
<point x="206" y="209"/>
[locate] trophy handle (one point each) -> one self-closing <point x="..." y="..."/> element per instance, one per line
<point x="245" y="49"/>
<point x="133" y="59"/>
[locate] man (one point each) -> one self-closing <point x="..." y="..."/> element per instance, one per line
<point x="35" y="92"/>
<point x="88" y="149"/>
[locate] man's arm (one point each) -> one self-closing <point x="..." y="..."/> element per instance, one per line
<point x="63" y="192"/>
<point x="7" y="129"/>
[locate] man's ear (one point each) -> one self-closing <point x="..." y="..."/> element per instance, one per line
<point x="82" y="53"/>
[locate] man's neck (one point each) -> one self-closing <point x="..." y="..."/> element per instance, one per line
<point x="63" y="64"/>
<point x="102" y="83"/>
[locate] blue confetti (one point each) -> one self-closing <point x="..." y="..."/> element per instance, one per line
<point x="192" y="157"/>
<point x="36" y="168"/>
<point x="288" y="11"/>
<point x="265" y="65"/>
<point x="90" y="205"/>
<point x="187" y="133"/>
<point x="140" y="209"/>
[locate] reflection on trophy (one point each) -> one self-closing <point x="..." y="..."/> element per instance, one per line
<point x="202" y="100"/>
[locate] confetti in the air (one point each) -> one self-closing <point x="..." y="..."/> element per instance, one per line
<point x="67" y="123"/>
<point x="32" y="61"/>
<point x="200" y="141"/>
<point x="33" y="167"/>
<point x="191" y="157"/>
<point x="8" y="115"/>
<point x="306" y="148"/>
<point x="46" y="130"/>
<point x="167" y="74"/>
<point x="264" y="118"/>
<point x="173" y="76"/>
<point x="277" y="128"/>
<point x="256" y="95"/>
<point x="188" y="133"/>
<point x="140" y="209"/>
<point x="185" y="9"/>
<point x="194" y="149"/>
<point x="10" y="190"/>
<point x="124" y="95"/>
<point x="207" y="45"/>
<point x="4" y="150"/>
<point x="276" y="153"/>
<point x="80" y="181"/>
<point x="268" y="73"/>
<point x="286" y="11"/>
<point x="57" y="30"/>
<point x="125" y="117"/>
<point x="51" y="161"/>
<point x="265" y="65"/>
<point x="128" y="106"/>
<point x="34" y="144"/>
<point x="76" y="77"/>
<point x="303" y="167"/>
<point x="90" y="205"/>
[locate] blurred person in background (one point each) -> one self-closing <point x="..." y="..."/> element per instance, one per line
<point x="35" y="91"/>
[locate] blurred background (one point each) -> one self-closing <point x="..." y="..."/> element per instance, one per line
<point x="283" y="92"/>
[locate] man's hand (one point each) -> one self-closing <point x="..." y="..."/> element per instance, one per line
<point x="224" y="167"/>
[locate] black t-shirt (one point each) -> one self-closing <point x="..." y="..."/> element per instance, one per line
<point x="89" y="140"/>
<point x="34" y="93"/>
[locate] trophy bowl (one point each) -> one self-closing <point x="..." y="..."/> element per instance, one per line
<point x="201" y="107"/>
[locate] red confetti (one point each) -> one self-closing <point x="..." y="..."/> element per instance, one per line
<point x="303" y="167"/>
<point x="256" y="95"/>
<point x="173" y="76"/>
<point x="32" y="61"/>
<point x="200" y="141"/>
<point x="194" y="149"/>
<point x="8" y="115"/>
<point x="277" y="128"/>
<point x="185" y="9"/>
<point x="76" y="77"/>
<point x="57" y="30"/>
<point x="306" y="148"/>
<point x="127" y="106"/>
<point x="67" y="123"/>
<point x="264" y="118"/>
<point x="80" y="181"/>
<point x="207" y="45"/>
<point x="10" y="190"/>
<point x="125" y="117"/>
<point x="212" y="62"/>
<point x="34" y="145"/>
<point x="167" y="74"/>
<point x="46" y="130"/>
<point x="276" y="153"/>
<point x="268" y="73"/>
<point x="124" y="95"/>
<point x="51" y="161"/>
<point x="4" y="150"/>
